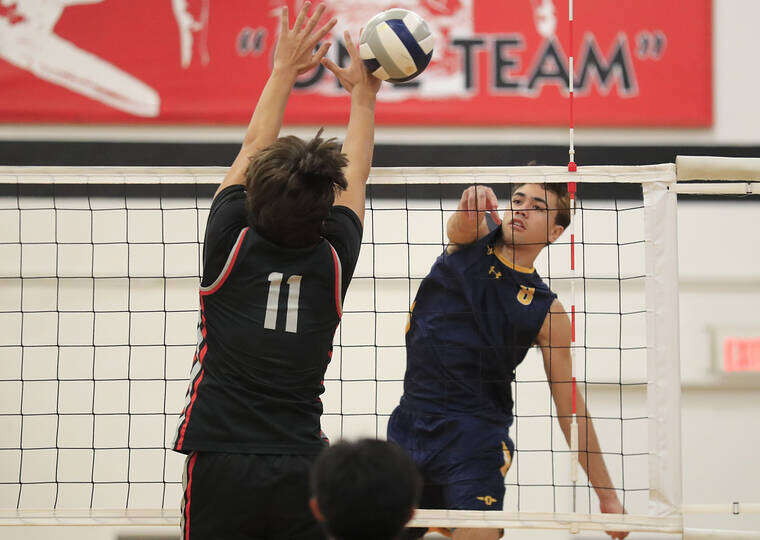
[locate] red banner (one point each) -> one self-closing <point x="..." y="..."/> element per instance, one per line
<point x="643" y="63"/>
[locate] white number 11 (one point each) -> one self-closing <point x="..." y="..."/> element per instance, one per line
<point x="273" y="302"/>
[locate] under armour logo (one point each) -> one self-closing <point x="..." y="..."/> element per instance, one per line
<point x="488" y="500"/>
<point x="492" y="272"/>
<point x="489" y="250"/>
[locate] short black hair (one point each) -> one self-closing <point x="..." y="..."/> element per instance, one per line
<point x="365" y="489"/>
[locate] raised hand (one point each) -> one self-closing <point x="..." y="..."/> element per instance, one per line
<point x="295" y="46"/>
<point x="475" y="202"/>
<point x="356" y="74"/>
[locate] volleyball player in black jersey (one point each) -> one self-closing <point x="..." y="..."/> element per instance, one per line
<point x="282" y="241"/>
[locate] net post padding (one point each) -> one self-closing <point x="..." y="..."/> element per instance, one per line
<point x="717" y="168"/>
<point x="663" y="366"/>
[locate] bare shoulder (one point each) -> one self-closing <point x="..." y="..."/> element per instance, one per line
<point x="556" y="325"/>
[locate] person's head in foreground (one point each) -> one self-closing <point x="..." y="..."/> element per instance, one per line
<point x="290" y="188"/>
<point x="366" y="489"/>
<point x="537" y="214"/>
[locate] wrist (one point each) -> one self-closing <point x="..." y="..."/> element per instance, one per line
<point x="362" y="95"/>
<point x="285" y="74"/>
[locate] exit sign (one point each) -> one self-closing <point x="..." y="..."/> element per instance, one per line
<point x="741" y="354"/>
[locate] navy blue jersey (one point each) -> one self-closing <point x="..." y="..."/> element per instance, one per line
<point x="475" y="317"/>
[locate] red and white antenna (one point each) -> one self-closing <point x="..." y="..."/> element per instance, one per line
<point x="571" y="188"/>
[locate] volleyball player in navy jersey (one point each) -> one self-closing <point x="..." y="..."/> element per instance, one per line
<point x="282" y="241"/>
<point x="475" y="316"/>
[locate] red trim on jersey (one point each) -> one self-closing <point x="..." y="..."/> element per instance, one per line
<point x="338" y="279"/>
<point x="190" y="408"/>
<point x="200" y="355"/>
<point x="231" y="265"/>
<point x="190" y="467"/>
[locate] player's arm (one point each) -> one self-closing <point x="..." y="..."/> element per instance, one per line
<point x="554" y="340"/>
<point x="360" y="135"/>
<point x="293" y="56"/>
<point x="468" y="223"/>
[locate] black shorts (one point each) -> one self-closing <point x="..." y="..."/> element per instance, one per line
<point x="247" y="496"/>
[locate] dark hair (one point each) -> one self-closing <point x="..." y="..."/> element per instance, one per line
<point x="291" y="186"/>
<point x="367" y="489"/>
<point x="562" y="217"/>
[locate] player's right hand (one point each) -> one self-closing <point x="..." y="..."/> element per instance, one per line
<point x="476" y="201"/>
<point x="295" y="47"/>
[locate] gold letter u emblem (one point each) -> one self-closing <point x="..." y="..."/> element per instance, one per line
<point x="525" y="296"/>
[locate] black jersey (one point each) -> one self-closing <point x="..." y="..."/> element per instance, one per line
<point x="267" y="321"/>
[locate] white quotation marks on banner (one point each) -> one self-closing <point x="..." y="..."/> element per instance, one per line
<point x="650" y="44"/>
<point x="251" y="41"/>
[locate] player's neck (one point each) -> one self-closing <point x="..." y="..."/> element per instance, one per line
<point x="517" y="254"/>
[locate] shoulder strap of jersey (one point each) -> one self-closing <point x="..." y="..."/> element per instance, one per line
<point x="211" y="289"/>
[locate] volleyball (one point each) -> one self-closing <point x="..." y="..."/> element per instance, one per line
<point x="396" y="45"/>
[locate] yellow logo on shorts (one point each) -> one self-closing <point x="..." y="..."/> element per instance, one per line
<point x="488" y="500"/>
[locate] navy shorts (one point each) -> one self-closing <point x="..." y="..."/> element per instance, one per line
<point x="462" y="459"/>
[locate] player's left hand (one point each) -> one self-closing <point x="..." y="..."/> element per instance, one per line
<point x="295" y="46"/>
<point x="611" y="505"/>
<point x="356" y="74"/>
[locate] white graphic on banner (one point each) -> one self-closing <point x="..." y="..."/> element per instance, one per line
<point x="29" y="43"/>
<point x="188" y="26"/>
<point x="544" y="17"/>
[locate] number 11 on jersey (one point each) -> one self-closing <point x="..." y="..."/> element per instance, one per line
<point x="273" y="302"/>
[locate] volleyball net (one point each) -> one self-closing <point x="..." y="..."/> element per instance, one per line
<point x="99" y="276"/>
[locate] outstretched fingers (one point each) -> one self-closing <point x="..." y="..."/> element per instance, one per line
<point x="319" y="55"/>
<point x="332" y="66"/>
<point x="353" y="50"/>
<point x="284" y="20"/>
<point x="314" y="19"/>
<point x="301" y="16"/>
<point x="322" y="32"/>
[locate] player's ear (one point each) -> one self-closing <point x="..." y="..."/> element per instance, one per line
<point x="555" y="232"/>
<point x="315" y="509"/>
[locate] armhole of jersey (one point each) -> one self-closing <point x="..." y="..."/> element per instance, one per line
<point x="227" y="265"/>
<point x="338" y="272"/>
<point x="553" y="297"/>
